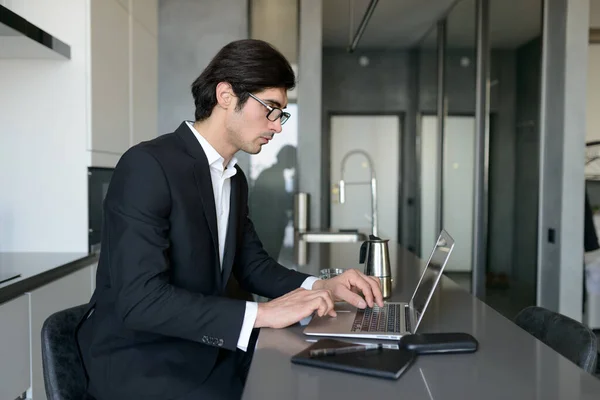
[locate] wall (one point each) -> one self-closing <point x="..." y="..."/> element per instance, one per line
<point x="44" y="125"/>
<point x="381" y="86"/>
<point x="460" y="81"/>
<point x="191" y="32"/>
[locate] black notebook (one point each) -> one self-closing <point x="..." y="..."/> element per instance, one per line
<point x="380" y="363"/>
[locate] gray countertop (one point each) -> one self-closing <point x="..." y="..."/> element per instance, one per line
<point x="509" y="364"/>
<point x="37" y="269"/>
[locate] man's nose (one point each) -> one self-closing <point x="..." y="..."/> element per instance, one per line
<point x="276" y="125"/>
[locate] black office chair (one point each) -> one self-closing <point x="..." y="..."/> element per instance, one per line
<point x="64" y="376"/>
<point x="566" y="336"/>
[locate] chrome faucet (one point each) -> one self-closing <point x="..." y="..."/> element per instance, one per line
<point x="373" y="183"/>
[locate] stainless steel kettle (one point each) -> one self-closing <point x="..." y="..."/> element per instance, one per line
<point x="374" y="253"/>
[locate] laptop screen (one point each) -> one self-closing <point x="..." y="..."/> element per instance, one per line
<point x="431" y="275"/>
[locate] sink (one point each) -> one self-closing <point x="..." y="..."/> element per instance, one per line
<point x="343" y="236"/>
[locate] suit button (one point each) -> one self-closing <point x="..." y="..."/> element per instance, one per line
<point x="220" y="342"/>
<point x="204" y="339"/>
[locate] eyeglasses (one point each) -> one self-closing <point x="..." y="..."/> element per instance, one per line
<point x="274" y="112"/>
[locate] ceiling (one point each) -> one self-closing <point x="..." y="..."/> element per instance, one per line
<point x="404" y="23"/>
<point x="394" y="23"/>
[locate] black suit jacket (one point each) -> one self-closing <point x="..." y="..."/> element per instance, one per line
<point x="161" y="312"/>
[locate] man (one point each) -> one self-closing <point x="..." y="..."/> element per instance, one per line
<point x="162" y="324"/>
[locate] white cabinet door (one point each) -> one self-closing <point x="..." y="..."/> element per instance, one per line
<point x="110" y="77"/>
<point x="69" y="291"/>
<point x="144" y="83"/>
<point x="593" y="94"/>
<point x="146" y="12"/>
<point x="14" y="347"/>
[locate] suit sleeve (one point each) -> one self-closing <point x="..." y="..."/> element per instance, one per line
<point x="256" y="271"/>
<point x="136" y="212"/>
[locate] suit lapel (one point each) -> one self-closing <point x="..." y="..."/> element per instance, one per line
<point x="230" y="241"/>
<point x="204" y="185"/>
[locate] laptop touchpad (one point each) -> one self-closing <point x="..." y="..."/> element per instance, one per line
<point x="342" y="306"/>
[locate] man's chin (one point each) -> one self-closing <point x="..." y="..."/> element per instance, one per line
<point x="253" y="150"/>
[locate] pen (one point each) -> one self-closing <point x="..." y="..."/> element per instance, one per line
<point x="342" y="350"/>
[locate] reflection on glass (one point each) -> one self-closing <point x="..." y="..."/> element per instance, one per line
<point x="459" y="134"/>
<point x="455" y="167"/>
<point x="513" y="183"/>
<point x="270" y="201"/>
<point x="427" y="148"/>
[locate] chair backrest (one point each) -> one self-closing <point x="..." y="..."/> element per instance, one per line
<point x="566" y="336"/>
<point x="64" y="376"/>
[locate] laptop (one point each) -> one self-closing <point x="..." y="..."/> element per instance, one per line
<point x="394" y="319"/>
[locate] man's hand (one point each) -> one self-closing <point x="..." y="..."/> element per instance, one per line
<point x="294" y="306"/>
<point x="344" y="287"/>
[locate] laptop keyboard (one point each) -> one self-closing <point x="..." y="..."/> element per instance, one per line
<point x="381" y="319"/>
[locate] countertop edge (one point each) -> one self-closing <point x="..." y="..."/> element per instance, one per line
<point x="33" y="282"/>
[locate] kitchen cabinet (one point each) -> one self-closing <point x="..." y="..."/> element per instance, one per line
<point x="14" y="347"/>
<point x="144" y="83"/>
<point x="111" y="89"/>
<point x="71" y="290"/>
<point x="146" y="12"/>
<point x="110" y="77"/>
<point x="124" y="76"/>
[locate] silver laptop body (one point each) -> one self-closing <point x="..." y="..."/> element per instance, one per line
<point x="394" y="319"/>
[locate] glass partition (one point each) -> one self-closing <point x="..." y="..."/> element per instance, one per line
<point x="447" y="134"/>
<point x="428" y="61"/>
<point x="458" y="160"/>
<point x="514" y="142"/>
<point x="272" y="172"/>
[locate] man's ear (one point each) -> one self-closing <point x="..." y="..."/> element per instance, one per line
<point x="225" y="96"/>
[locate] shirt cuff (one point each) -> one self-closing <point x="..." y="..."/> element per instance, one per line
<point x="309" y="282"/>
<point x="247" y="325"/>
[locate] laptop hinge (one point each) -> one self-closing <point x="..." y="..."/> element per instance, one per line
<point x="412" y="314"/>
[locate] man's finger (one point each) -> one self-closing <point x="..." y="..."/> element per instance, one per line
<point x="375" y="279"/>
<point x="376" y="287"/>
<point x="350" y="297"/>
<point x="328" y="297"/>
<point x="318" y="304"/>
<point x="364" y="286"/>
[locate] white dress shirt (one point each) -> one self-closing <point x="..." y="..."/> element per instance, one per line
<point x="221" y="183"/>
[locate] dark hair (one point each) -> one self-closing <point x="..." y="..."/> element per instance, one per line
<point x="249" y="66"/>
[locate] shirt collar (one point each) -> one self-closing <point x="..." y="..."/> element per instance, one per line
<point x="215" y="160"/>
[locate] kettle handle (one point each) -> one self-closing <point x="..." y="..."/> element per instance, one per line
<point x="363" y="249"/>
<point x="363" y="253"/>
